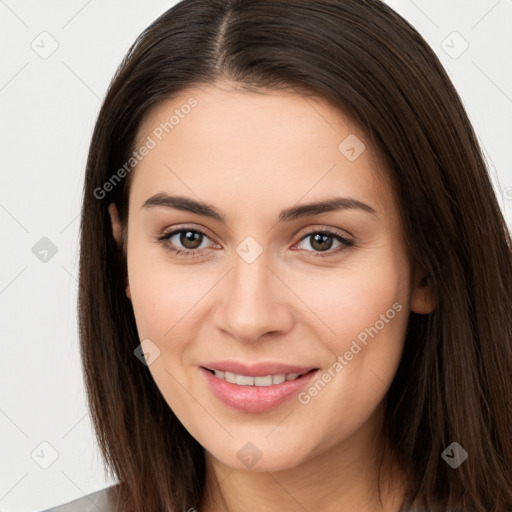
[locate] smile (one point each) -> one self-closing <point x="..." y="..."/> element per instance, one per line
<point x="256" y="393"/>
<point x="263" y="381"/>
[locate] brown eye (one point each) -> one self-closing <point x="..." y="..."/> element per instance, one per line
<point x="187" y="242"/>
<point x="190" y="239"/>
<point x="323" y="241"/>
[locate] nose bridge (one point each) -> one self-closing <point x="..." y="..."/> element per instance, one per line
<point x="251" y="304"/>
<point x="250" y="288"/>
<point x="249" y="278"/>
<point x="250" y="273"/>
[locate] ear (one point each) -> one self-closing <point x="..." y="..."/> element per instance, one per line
<point x="115" y="222"/>
<point x="117" y="234"/>
<point x="422" y="297"/>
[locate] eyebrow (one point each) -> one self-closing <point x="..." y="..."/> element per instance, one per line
<point x="289" y="214"/>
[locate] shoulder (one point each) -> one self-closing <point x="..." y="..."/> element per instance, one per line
<point x="104" y="500"/>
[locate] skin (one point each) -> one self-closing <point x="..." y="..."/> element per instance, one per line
<point x="252" y="155"/>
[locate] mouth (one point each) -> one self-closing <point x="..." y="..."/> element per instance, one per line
<point x="259" y="392"/>
<point x="258" y="381"/>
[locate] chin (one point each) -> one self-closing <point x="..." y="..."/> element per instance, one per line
<point x="253" y="457"/>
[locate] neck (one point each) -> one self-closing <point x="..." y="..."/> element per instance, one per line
<point x="342" y="478"/>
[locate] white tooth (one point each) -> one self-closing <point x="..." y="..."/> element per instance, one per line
<point x="263" y="381"/>
<point x="244" y="380"/>
<point x="230" y="377"/>
<point x="277" y="379"/>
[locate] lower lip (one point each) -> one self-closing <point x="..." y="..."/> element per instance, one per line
<point x="255" y="398"/>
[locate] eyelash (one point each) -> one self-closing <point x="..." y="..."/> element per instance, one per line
<point x="191" y="253"/>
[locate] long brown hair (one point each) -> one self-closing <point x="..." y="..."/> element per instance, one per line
<point x="454" y="381"/>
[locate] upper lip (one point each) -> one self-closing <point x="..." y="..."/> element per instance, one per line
<point x="257" y="369"/>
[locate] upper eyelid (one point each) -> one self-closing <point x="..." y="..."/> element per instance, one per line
<point x="332" y="231"/>
<point x="179" y="228"/>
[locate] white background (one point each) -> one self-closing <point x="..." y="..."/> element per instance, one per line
<point x="48" y="109"/>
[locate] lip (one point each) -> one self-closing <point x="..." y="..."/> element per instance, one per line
<point x="255" y="399"/>
<point x="256" y="370"/>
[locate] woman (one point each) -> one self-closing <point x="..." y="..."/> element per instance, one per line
<point x="294" y="275"/>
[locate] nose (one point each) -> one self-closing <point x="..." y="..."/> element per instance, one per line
<point x="252" y="302"/>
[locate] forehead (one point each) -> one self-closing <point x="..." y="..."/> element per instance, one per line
<point x="275" y="144"/>
<point x="225" y="111"/>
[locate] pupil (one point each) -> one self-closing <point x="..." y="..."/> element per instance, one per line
<point x="189" y="239"/>
<point x="321" y="242"/>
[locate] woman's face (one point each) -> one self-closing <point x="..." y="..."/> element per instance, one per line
<point x="257" y="289"/>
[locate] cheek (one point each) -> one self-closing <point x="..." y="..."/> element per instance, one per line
<point x="339" y="304"/>
<point x="362" y="315"/>
<point x="163" y="295"/>
<point x="370" y="320"/>
<point x="165" y="300"/>
<point x="354" y="297"/>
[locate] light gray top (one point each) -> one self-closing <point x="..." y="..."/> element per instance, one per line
<point x="104" y="500"/>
